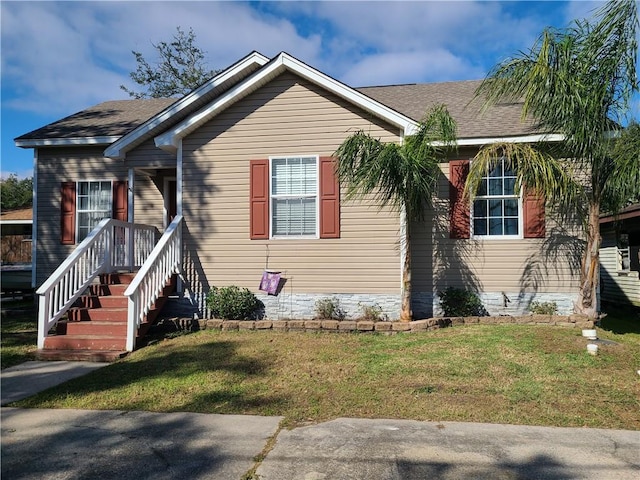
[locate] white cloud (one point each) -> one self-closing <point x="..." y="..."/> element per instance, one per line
<point x="61" y="57"/>
<point x="396" y="68"/>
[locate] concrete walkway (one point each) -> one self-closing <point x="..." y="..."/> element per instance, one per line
<point x="78" y="444"/>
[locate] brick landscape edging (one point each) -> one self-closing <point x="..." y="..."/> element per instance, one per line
<point x="570" y="321"/>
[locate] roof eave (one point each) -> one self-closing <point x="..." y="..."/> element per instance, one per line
<point x="119" y="149"/>
<point x="62" y="142"/>
<point x="529" y="138"/>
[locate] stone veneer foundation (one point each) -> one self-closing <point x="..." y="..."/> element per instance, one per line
<point x="301" y="306"/>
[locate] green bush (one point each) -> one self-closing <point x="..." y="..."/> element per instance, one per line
<point x="329" y="309"/>
<point x="456" y="302"/>
<point x="232" y="303"/>
<point x="372" y="313"/>
<point x="544" y="308"/>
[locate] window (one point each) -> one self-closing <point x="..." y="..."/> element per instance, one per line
<point x="624" y="253"/>
<point x="496" y="207"/>
<point x="294" y="196"/>
<point x="93" y="204"/>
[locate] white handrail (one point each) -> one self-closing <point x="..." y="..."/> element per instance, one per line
<point x="110" y="245"/>
<point x="163" y="262"/>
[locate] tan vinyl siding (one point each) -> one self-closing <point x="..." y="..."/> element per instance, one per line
<point x="490" y="265"/>
<point x="289" y="116"/>
<point x="147" y="155"/>
<point x="57" y="165"/>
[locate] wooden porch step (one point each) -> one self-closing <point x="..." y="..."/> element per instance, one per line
<point x="117" y="278"/>
<point x="92" y="328"/>
<point x="106" y="301"/>
<point x="103" y="289"/>
<point x="81" y="355"/>
<point x="86" y="342"/>
<point x="80" y="314"/>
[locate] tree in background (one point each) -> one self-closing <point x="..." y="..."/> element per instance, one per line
<point x="15" y="193"/>
<point x="403" y="177"/>
<point x="180" y="68"/>
<point x="577" y="82"/>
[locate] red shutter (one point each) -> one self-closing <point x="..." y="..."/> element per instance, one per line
<point x="329" y="199"/>
<point x="259" y="199"/>
<point x="120" y="201"/>
<point x="460" y="218"/>
<point x="533" y="211"/>
<point x="68" y="213"/>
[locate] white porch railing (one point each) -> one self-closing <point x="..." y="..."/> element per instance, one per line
<point x="112" y="245"/>
<point x="164" y="261"/>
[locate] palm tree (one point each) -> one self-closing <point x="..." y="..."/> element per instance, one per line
<point x="577" y="82"/>
<point x="401" y="176"/>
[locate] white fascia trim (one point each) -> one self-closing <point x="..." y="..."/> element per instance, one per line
<point x="168" y="140"/>
<point x="118" y="149"/>
<point x="16" y="222"/>
<point x="61" y="142"/>
<point x="541" y="137"/>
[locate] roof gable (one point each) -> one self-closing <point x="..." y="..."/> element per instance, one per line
<point x="169" y="140"/>
<point x="187" y="104"/>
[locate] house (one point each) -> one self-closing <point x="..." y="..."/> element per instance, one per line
<point x="238" y="177"/>
<point x="15" y="240"/>
<point x="620" y="257"/>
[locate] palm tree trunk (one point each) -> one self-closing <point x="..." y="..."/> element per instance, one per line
<point x="406" y="315"/>
<point x="588" y="303"/>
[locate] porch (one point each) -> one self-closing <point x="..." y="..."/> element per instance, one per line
<point x="102" y="299"/>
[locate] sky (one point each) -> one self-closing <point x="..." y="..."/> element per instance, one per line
<point x="58" y="58"/>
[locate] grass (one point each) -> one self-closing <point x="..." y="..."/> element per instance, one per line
<point x="511" y="374"/>
<point x="18" y="330"/>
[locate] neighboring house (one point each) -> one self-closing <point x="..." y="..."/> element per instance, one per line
<point x="244" y="163"/>
<point x="620" y="257"/>
<point x="15" y="241"/>
<point x="15" y="233"/>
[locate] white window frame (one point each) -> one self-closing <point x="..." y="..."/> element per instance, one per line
<point x="488" y="236"/>
<point x="79" y="211"/>
<point x="623" y="253"/>
<point x="316" y="195"/>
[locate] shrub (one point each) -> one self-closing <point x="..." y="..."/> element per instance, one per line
<point x="456" y="302"/>
<point x="372" y="313"/>
<point x="329" y="309"/>
<point x="544" y="308"/>
<point x="232" y="303"/>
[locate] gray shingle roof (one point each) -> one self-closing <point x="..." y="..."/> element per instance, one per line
<point x="119" y="117"/>
<point x="413" y="100"/>
<point x="107" y="119"/>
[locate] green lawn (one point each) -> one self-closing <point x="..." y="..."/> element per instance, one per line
<point x="513" y="374"/>
<point x="18" y="330"/>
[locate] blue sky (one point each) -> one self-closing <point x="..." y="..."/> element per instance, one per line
<point x="61" y="57"/>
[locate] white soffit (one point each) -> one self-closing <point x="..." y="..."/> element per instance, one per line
<point x="118" y="149"/>
<point x="169" y="140"/>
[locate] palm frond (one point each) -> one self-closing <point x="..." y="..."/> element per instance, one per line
<point x="535" y="168"/>
<point x="402" y="176"/>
